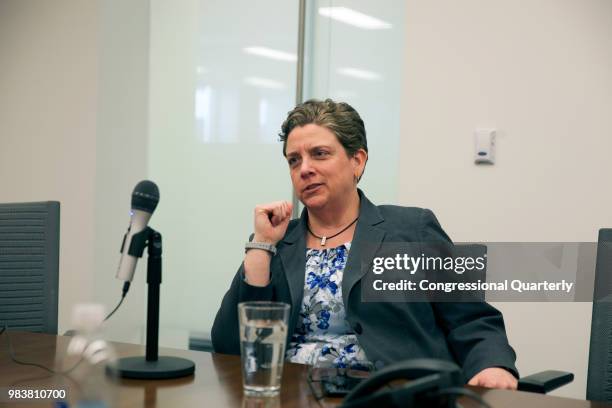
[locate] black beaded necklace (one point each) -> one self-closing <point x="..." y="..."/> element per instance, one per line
<point x="324" y="239"/>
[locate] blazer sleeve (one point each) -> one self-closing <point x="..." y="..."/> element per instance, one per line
<point x="225" y="331"/>
<point x="475" y="331"/>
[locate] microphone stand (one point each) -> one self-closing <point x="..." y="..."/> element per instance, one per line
<point x="152" y="366"/>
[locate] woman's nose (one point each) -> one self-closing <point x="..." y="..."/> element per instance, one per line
<point x="306" y="167"/>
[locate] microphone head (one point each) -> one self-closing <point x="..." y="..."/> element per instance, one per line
<point x="145" y="196"/>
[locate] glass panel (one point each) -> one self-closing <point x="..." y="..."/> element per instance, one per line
<point x="222" y="80"/>
<point x="221" y="83"/>
<point x="355" y="54"/>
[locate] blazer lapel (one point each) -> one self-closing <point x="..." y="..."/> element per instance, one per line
<point x="293" y="258"/>
<point x="366" y="241"/>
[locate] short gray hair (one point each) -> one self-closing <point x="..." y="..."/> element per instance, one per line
<point x="339" y="117"/>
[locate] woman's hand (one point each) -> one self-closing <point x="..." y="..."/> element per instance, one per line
<point x="494" y="377"/>
<point x="271" y="221"/>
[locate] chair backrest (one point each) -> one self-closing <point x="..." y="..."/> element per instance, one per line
<point x="29" y="266"/>
<point x="599" y="379"/>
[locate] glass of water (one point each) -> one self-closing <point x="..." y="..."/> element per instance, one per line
<point x="263" y="334"/>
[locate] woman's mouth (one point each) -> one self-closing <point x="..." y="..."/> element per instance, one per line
<point x="312" y="187"/>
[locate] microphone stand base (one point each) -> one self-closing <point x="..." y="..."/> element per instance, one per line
<point x="164" y="367"/>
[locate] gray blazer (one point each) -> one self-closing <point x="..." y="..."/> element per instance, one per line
<point x="470" y="334"/>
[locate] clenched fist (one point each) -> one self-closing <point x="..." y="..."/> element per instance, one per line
<point x="271" y="221"/>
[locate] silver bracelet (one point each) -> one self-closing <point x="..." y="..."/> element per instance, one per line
<point x="260" y="245"/>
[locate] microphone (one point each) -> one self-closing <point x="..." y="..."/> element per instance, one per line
<point x="150" y="366"/>
<point x="144" y="201"/>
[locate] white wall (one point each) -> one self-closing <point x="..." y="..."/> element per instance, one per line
<point x="48" y="91"/>
<point x="539" y="72"/>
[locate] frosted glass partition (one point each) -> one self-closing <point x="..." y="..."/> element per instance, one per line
<point x="222" y="80"/>
<point x="355" y="53"/>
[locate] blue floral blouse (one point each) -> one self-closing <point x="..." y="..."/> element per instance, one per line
<point x="323" y="337"/>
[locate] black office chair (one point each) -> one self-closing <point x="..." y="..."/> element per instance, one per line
<point x="599" y="375"/>
<point x="29" y="266"/>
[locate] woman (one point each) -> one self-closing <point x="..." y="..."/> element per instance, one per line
<point x="313" y="263"/>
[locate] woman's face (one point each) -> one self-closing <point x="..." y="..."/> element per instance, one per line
<point x="321" y="171"/>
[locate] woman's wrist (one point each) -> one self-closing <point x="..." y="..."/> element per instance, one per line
<point x="257" y="267"/>
<point x="263" y="239"/>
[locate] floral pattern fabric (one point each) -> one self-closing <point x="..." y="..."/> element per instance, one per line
<point x="323" y="337"/>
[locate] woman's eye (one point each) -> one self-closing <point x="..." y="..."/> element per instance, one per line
<point x="292" y="161"/>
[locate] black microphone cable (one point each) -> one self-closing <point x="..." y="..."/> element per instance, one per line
<point x="27" y="363"/>
<point x="126" y="287"/>
<point x="11" y="352"/>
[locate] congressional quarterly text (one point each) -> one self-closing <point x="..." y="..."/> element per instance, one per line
<point x="448" y="287"/>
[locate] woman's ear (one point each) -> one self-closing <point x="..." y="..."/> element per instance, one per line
<point x="359" y="159"/>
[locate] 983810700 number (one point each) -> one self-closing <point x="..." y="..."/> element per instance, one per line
<point x="31" y="394"/>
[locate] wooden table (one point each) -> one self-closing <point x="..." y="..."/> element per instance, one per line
<point x="217" y="381"/>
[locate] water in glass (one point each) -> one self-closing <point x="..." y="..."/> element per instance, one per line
<point x="263" y="350"/>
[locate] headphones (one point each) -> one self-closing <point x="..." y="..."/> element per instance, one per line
<point x="431" y="383"/>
